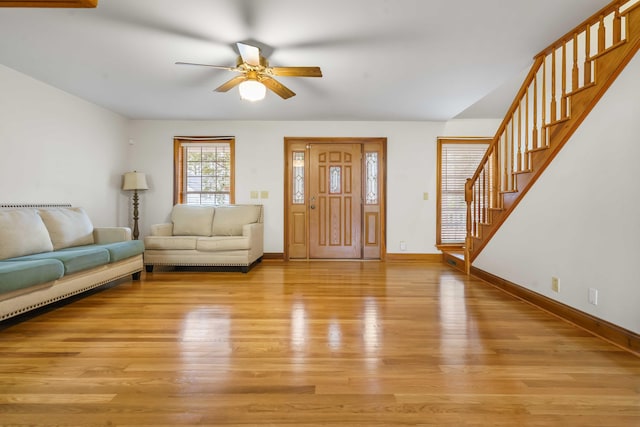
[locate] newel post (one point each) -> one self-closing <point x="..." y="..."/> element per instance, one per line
<point x="468" y="198"/>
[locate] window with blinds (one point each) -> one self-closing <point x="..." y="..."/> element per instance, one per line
<point x="458" y="160"/>
<point x="203" y="171"/>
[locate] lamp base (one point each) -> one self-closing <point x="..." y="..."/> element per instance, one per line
<point x="136" y="232"/>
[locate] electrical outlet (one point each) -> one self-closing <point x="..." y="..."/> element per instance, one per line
<point x="425" y="196"/>
<point x="593" y="296"/>
<point x="403" y="245"/>
<point x="264" y="194"/>
<point x="254" y="194"/>
<point x="555" y="284"/>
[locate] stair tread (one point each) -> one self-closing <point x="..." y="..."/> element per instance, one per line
<point x="609" y="49"/>
<point x="556" y="122"/>
<point x="543" y="148"/>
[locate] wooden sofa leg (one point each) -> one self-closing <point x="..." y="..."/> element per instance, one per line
<point x="136" y="275"/>
<point x="149" y="268"/>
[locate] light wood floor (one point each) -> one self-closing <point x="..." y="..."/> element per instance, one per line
<point x="310" y="344"/>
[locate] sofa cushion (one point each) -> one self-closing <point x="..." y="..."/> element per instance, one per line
<point x="22" y="232"/>
<point x="190" y="220"/>
<point x="223" y="243"/>
<point x="170" y="242"/>
<point x="123" y="250"/>
<point x="117" y="250"/>
<point x="228" y="220"/>
<point x="67" y="227"/>
<point x="16" y="275"/>
<point x="73" y="260"/>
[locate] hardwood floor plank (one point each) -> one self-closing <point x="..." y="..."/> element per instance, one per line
<point x="55" y="398"/>
<point x="311" y="344"/>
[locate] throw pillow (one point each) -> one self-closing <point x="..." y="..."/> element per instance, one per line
<point x="22" y="232"/>
<point x="68" y="227"/>
<point x="190" y="220"/>
<point x="228" y="220"/>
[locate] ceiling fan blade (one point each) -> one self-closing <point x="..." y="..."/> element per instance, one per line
<point x="224" y="87"/>
<point x="296" y="71"/>
<point x="277" y="87"/>
<point x="219" y="67"/>
<point x="250" y="54"/>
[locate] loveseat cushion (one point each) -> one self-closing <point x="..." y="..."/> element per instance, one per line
<point x="73" y="260"/>
<point x="190" y="220"/>
<point x="228" y="220"/>
<point x="22" y="232"/>
<point x="67" y="227"/>
<point x="117" y="250"/>
<point x="16" y="275"/>
<point x="170" y="242"/>
<point x="223" y="243"/>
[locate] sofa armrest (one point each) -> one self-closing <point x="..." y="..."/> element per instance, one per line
<point x="111" y="234"/>
<point x="255" y="232"/>
<point x="252" y="229"/>
<point x="162" y="229"/>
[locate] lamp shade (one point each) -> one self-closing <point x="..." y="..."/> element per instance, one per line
<point x="135" y="181"/>
<point x="252" y="90"/>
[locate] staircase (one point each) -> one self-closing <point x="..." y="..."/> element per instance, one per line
<point x="565" y="82"/>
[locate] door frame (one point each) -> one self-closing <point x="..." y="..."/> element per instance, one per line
<point x="370" y="214"/>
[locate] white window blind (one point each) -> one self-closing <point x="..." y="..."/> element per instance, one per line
<point x="458" y="161"/>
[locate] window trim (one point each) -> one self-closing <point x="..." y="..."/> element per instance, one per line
<point x="179" y="164"/>
<point x="441" y="142"/>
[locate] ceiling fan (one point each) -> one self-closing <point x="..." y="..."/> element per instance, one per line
<point x="256" y="75"/>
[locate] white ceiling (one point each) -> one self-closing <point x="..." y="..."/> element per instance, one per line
<point x="381" y="59"/>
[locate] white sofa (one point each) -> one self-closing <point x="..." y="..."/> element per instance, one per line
<point x="198" y="235"/>
<point x="49" y="254"/>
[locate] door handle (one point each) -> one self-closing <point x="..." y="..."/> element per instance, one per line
<point x="312" y="206"/>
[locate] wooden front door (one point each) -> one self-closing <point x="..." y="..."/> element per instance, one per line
<point x="334" y="198"/>
<point x="335" y="201"/>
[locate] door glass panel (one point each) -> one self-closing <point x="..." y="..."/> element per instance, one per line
<point x="334" y="179"/>
<point x="371" y="164"/>
<point x="298" y="177"/>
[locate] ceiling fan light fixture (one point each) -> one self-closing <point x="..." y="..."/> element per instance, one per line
<point x="252" y="90"/>
<point x="256" y="76"/>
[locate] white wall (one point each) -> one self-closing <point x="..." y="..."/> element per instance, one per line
<point x="411" y="163"/>
<point x="57" y="148"/>
<point x="581" y="221"/>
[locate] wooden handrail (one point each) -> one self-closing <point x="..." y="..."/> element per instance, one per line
<point x="611" y="7"/>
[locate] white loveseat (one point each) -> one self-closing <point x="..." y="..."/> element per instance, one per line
<point x="222" y="236"/>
